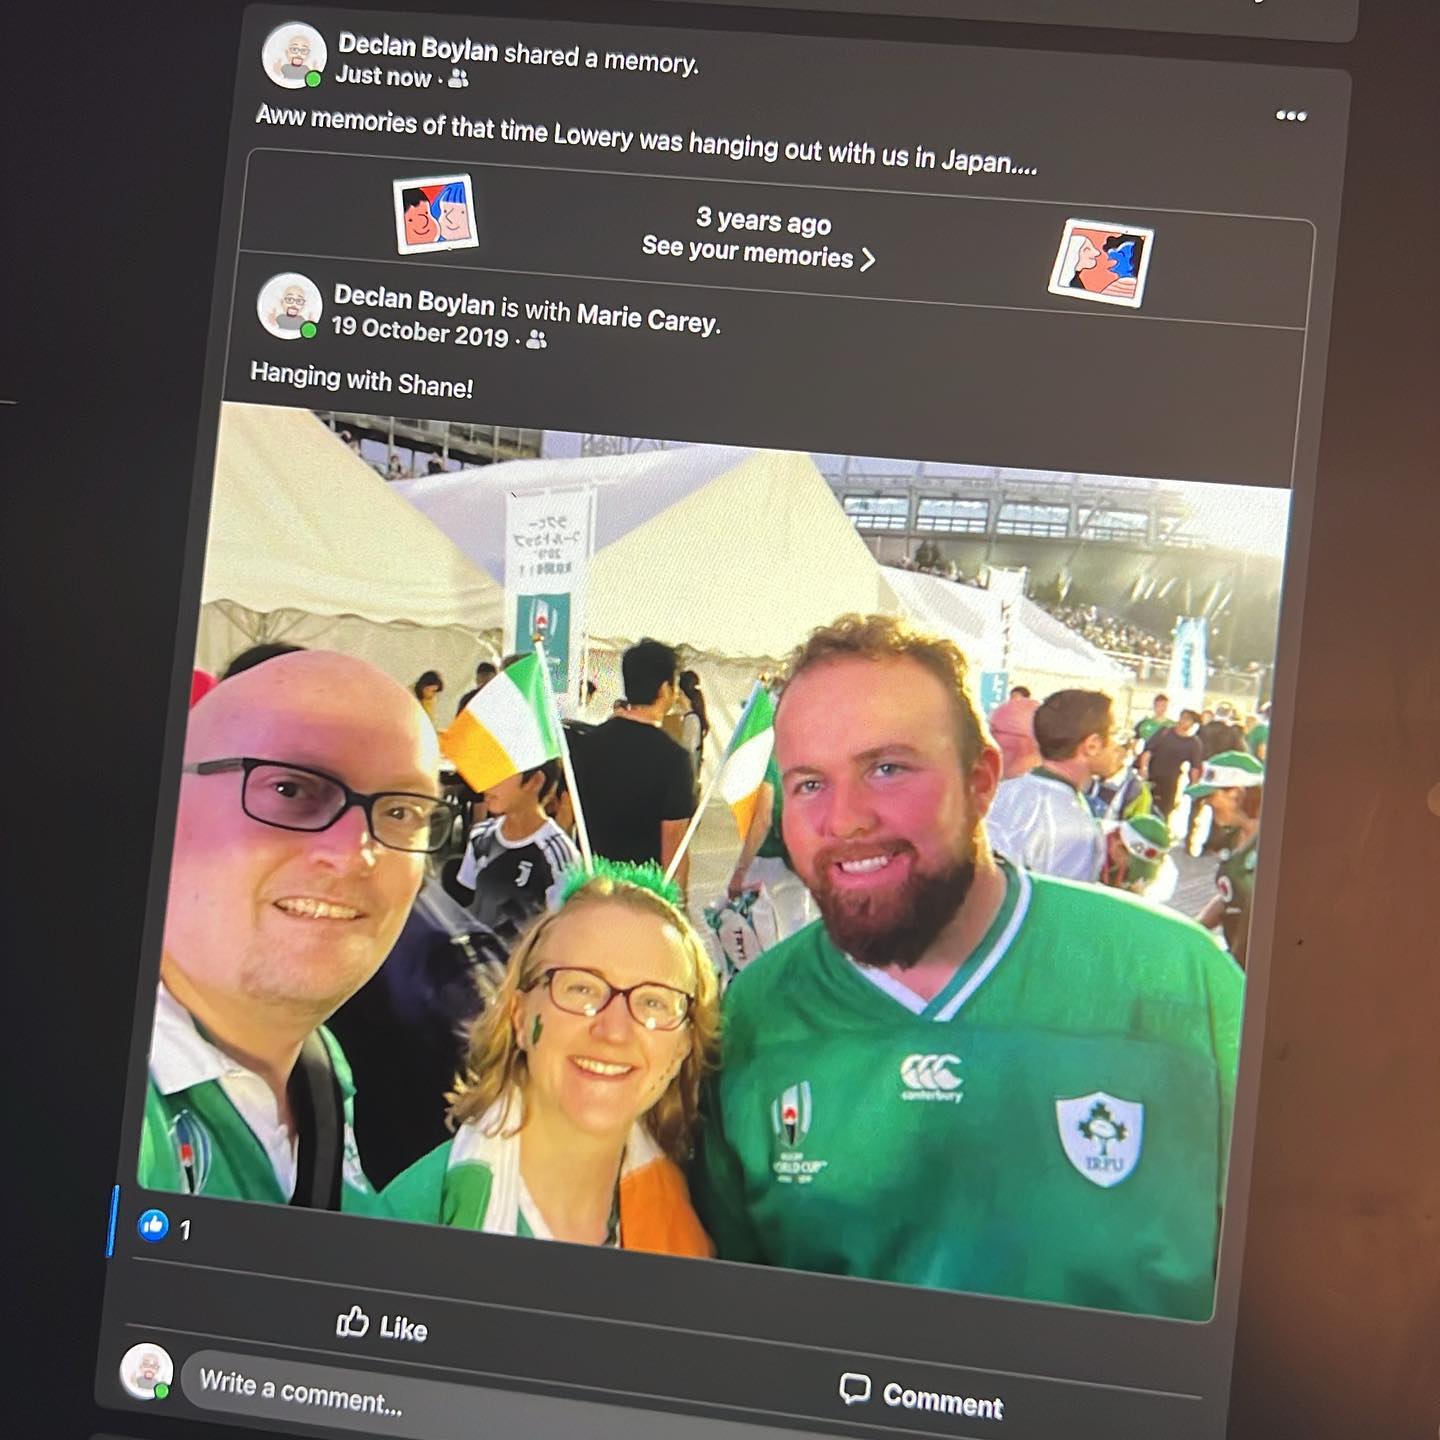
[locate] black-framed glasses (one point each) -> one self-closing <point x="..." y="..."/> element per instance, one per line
<point x="582" y="992"/>
<point x="296" y="797"/>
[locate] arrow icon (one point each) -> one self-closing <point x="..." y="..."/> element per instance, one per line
<point x="869" y="258"/>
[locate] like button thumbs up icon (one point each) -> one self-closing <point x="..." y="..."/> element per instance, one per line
<point x="352" y="1324"/>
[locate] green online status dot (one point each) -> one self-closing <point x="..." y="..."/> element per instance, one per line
<point x="313" y="78"/>
<point x="161" y="1389"/>
<point x="309" y="330"/>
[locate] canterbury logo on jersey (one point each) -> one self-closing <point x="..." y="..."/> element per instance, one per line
<point x="929" y="1077"/>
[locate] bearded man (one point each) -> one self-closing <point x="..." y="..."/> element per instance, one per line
<point x="963" y="1075"/>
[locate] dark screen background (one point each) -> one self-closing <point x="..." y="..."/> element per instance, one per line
<point x="116" y="138"/>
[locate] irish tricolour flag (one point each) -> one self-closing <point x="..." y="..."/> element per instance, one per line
<point x="509" y="726"/>
<point x="747" y="756"/>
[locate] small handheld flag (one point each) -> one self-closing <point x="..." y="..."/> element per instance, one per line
<point x="552" y="711"/>
<point x="746" y="757"/>
<point x="508" y="726"/>
<point x="742" y="769"/>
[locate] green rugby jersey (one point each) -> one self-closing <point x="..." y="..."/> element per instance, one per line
<point x="1235" y="882"/>
<point x="195" y="1142"/>
<point x="1052" y="1126"/>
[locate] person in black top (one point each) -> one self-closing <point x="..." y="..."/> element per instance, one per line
<point x="485" y="672"/>
<point x="1170" y="751"/>
<point x="636" y="784"/>
<point x="513" y="859"/>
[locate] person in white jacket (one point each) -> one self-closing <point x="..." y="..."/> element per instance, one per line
<point x="1041" y="819"/>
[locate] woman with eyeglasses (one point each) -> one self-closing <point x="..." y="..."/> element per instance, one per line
<point x="578" y="1100"/>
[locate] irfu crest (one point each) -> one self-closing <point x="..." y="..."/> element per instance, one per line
<point x="1101" y="1136"/>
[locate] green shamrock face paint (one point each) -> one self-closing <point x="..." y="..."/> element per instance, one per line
<point x="535" y="1030"/>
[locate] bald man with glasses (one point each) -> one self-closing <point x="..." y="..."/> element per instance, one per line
<point x="309" y="800"/>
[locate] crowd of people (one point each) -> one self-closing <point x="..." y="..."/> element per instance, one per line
<point x="337" y="913"/>
<point x="1109" y="633"/>
<point x="929" y="559"/>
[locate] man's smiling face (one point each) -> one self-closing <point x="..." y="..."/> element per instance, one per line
<point x="294" y="919"/>
<point x="881" y="816"/>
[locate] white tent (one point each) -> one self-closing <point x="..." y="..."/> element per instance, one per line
<point x="735" y="554"/>
<point x="308" y="545"/>
<point x="1043" y="653"/>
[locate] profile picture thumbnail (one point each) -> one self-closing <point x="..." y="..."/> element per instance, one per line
<point x="292" y="53"/>
<point x="147" y="1371"/>
<point x="290" y="306"/>
<point x="435" y="213"/>
<point x="1103" y="262"/>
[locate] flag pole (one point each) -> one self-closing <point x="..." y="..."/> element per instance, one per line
<point x="695" y="819"/>
<point x="582" y="833"/>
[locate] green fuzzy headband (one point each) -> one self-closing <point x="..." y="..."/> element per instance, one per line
<point x="648" y="876"/>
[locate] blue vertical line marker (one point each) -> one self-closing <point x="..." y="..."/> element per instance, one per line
<point x="114" y="1214"/>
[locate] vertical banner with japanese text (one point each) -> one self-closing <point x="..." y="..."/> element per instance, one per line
<point x="548" y="544"/>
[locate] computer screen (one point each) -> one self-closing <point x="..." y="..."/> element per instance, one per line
<point x="717" y="846"/>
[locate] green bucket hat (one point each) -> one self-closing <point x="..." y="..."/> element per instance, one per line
<point x="1147" y="840"/>
<point x="1229" y="770"/>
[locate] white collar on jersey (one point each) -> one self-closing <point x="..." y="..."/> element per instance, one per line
<point x="180" y="1056"/>
<point x="916" y="1004"/>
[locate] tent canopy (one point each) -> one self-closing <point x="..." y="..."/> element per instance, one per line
<point x="971" y="617"/>
<point x="734" y="553"/>
<point x="299" y="522"/>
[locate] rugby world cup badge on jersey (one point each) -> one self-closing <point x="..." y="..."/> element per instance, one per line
<point x="1101" y="1136"/>
<point x="195" y="1149"/>
<point x="791" y="1115"/>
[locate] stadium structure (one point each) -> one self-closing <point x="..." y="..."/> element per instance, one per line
<point x="1120" y="547"/>
<point x="402" y="448"/>
<point x="1115" y="556"/>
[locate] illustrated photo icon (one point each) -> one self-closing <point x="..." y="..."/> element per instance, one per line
<point x="290" y="306"/>
<point x="1103" y="262"/>
<point x="435" y="212"/>
<point x="294" y="55"/>
<point x="147" y="1371"/>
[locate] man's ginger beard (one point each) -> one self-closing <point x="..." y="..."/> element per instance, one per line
<point x="898" y="926"/>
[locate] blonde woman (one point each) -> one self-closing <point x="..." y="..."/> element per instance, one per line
<point x="580" y="1092"/>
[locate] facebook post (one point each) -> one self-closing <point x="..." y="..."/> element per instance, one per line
<point x="583" y="732"/>
<point x="733" y="630"/>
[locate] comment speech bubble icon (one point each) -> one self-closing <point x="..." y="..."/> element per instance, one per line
<point x="854" y="1388"/>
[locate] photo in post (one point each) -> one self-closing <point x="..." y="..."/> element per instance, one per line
<point x="513" y="772"/>
<point x="1102" y="262"/>
<point x="435" y="212"/>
